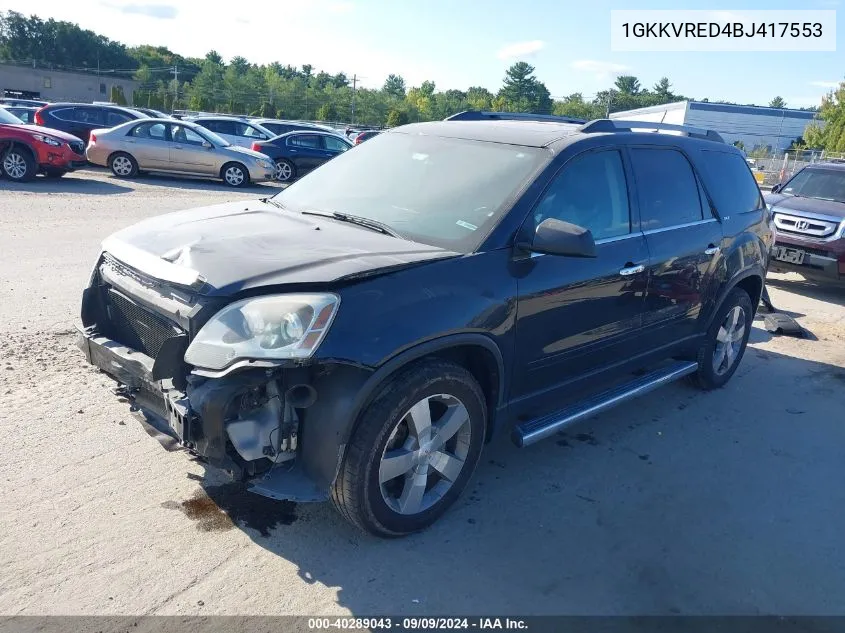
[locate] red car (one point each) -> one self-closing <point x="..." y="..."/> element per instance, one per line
<point x="27" y="150"/>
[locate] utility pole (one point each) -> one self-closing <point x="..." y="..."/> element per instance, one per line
<point x="354" y="85"/>
<point x="175" y="73"/>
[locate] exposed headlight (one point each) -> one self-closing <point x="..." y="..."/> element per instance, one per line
<point x="274" y="327"/>
<point x="263" y="163"/>
<point x="49" y="140"/>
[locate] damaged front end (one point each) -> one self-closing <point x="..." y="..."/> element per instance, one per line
<point x="239" y="414"/>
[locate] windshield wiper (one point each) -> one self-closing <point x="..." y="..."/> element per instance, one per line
<point x="278" y="205"/>
<point x="374" y="225"/>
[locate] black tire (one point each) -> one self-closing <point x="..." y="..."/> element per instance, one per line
<point x="708" y="377"/>
<point x="285" y="171"/>
<point x="357" y="492"/>
<point x="123" y="165"/>
<point x="18" y="164"/>
<point x="54" y="173"/>
<point x="228" y="171"/>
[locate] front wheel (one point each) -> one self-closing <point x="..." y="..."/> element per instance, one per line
<point x="725" y="342"/>
<point x="18" y="164"/>
<point x="414" y="450"/>
<point x="235" y="175"/>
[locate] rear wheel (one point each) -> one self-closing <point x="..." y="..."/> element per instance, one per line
<point x="414" y="450"/>
<point x="235" y="175"/>
<point x="284" y="170"/>
<point x="123" y="165"/>
<point x="725" y="343"/>
<point x="18" y="164"/>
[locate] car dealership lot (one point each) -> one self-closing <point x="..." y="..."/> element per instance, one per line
<point x="683" y="502"/>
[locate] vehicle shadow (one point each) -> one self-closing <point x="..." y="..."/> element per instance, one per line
<point x="822" y="292"/>
<point x="202" y="184"/>
<point x="70" y="183"/>
<point x="671" y="505"/>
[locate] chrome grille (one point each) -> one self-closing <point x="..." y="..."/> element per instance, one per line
<point x="135" y="326"/>
<point x="812" y="227"/>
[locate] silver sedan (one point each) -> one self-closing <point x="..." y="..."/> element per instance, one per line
<point x="175" y="147"/>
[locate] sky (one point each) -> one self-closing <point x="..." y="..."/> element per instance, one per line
<point x="459" y="43"/>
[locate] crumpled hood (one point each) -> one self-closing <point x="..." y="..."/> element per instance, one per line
<point x="242" y="245"/>
<point x="786" y="203"/>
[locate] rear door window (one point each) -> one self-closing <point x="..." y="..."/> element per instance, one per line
<point x="90" y="116"/>
<point x="248" y="131"/>
<point x="667" y="188"/>
<point x="154" y="131"/>
<point x="218" y="127"/>
<point x="730" y="182"/>
<point x="311" y="141"/>
<point x="114" y="118"/>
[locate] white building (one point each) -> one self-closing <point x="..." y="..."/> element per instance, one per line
<point x="753" y="125"/>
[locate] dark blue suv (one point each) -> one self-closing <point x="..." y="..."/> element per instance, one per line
<point x="360" y="336"/>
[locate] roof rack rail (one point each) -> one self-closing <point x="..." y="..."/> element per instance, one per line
<point x="480" y="115"/>
<point x="618" y="125"/>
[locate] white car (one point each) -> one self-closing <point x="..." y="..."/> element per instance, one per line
<point x="237" y="131"/>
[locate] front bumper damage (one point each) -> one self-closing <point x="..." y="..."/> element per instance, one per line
<point x="246" y="424"/>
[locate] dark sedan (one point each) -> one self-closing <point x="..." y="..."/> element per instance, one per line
<point x="297" y="153"/>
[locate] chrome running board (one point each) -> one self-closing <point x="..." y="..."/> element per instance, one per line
<point x="535" y="430"/>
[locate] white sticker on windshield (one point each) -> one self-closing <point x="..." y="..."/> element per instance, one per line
<point x="418" y="156"/>
<point x="466" y="225"/>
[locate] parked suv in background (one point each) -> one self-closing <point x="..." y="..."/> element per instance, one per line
<point x="27" y="150"/>
<point x="809" y="216"/>
<point x="79" y="119"/>
<point x="362" y="334"/>
<point x="278" y="126"/>
<point x="236" y="131"/>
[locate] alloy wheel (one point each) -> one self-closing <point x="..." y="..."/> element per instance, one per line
<point x="121" y="165"/>
<point x="234" y="176"/>
<point x="283" y="171"/>
<point x="729" y="340"/>
<point x="425" y="454"/>
<point x="14" y="165"/>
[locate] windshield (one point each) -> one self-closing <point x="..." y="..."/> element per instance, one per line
<point x="219" y="141"/>
<point x="813" y="182"/>
<point x="441" y="191"/>
<point x="8" y="117"/>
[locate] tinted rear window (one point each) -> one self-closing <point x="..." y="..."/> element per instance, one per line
<point x="730" y="182"/>
<point x="667" y="188"/>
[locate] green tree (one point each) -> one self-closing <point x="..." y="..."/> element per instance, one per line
<point x="396" y="117"/>
<point x="628" y="84"/>
<point x="523" y="92"/>
<point x="394" y="86"/>
<point x="739" y="145"/>
<point x="830" y="136"/>
<point x="662" y="90"/>
<point x="777" y="102"/>
<point x="327" y="112"/>
<point x="116" y="95"/>
<point x="575" y="106"/>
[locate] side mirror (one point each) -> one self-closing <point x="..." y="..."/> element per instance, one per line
<point x="776" y="188"/>
<point x="556" y="237"/>
<point x="207" y="145"/>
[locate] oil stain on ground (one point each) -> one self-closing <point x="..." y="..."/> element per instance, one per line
<point x="220" y="508"/>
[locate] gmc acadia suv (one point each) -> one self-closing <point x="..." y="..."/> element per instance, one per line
<point x="809" y="215"/>
<point x="361" y="335"/>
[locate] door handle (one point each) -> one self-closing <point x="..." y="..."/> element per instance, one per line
<point x="712" y="250"/>
<point x="177" y="147"/>
<point x="632" y="270"/>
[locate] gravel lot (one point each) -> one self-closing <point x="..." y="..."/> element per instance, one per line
<point x="729" y="502"/>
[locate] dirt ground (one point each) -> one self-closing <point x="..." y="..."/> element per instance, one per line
<point x="729" y="502"/>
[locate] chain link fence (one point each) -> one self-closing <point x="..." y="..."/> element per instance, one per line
<point x="771" y="169"/>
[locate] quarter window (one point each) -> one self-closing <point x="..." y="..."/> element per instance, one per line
<point x="591" y="192"/>
<point x="734" y="189"/>
<point x="667" y="187"/>
<point x="242" y="129"/>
